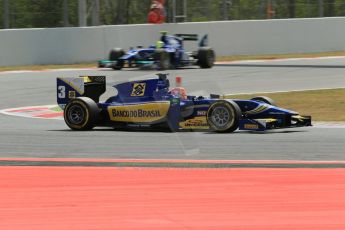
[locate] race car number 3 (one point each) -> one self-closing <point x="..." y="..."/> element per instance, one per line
<point x="61" y="91"/>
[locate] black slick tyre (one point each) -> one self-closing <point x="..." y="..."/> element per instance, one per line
<point x="265" y="99"/>
<point x="206" y="57"/>
<point x="223" y="116"/>
<point x="119" y="65"/>
<point x="114" y="55"/>
<point x="81" y="114"/>
<point x="162" y="59"/>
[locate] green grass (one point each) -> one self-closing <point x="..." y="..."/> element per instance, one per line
<point x="322" y="105"/>
<point x="56" y="109"/>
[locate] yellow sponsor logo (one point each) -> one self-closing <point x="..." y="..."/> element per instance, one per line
<point x="142" y="113"/>
<point x="138" y="89"/>
<point x="298" y="117"/>
<point x="195" y="123"/>
<point x="267" y="120"/>
<point x="251" y="126"/>
<point x="86" y="79"/>
<point x="258" y="109"/>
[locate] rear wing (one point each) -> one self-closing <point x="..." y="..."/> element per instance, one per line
<point x="188" y="37"/>
<point x="194" y="37"/>
<point x="83" y="86"/>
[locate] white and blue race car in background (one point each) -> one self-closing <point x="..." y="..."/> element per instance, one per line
<point x="168" y="53"/>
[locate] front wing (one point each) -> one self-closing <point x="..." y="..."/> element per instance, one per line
<point x="263" y="124"/>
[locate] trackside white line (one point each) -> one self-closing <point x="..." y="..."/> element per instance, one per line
<point x="329" y="124"/>
<point x="220" y="62"/>
<point x="306" y="162"/>
<point x="280" y="59"/>
<point x="45" y="70"/>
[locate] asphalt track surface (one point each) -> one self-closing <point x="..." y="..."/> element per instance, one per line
<point x="39" y="138"/>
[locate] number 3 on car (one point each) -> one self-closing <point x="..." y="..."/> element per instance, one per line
<point x="61" y="91"/>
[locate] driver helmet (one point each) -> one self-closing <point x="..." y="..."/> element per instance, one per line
<point x="159" y="44"/>
<point x="179" y="92"/>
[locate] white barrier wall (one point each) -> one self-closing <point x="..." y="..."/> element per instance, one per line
<point x="74" y="45"/>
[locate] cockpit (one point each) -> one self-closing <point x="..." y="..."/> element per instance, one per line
<point x="178" y="92"/>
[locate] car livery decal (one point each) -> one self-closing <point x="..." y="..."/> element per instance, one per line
<point x="71" y="94"/>
<point x="258" y="109"/>
<point x="142" y="113"/>
<point x="75" y="83"/>
<point x="138" y="89"/>
<point x="199" y="122"/>
<point x="251" y="126"/>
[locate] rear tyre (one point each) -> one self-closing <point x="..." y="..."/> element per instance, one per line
<point x="206" y="57"/>
<point x="81" y="114"/>
<point x="162" y="58"/>
<point x="114" y="55"/>
<point x="223" y="116"/>
<point x="264" y="99"/>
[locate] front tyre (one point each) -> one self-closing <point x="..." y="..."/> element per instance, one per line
<point x="162" y="59"/>
<point x="223" y="116"/>
<point x="81" y="113"/>
<point x="119" y="65"/>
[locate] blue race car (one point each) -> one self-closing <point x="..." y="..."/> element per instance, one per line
<point x="168" y="53"/>
<point x="150" y="104"/>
